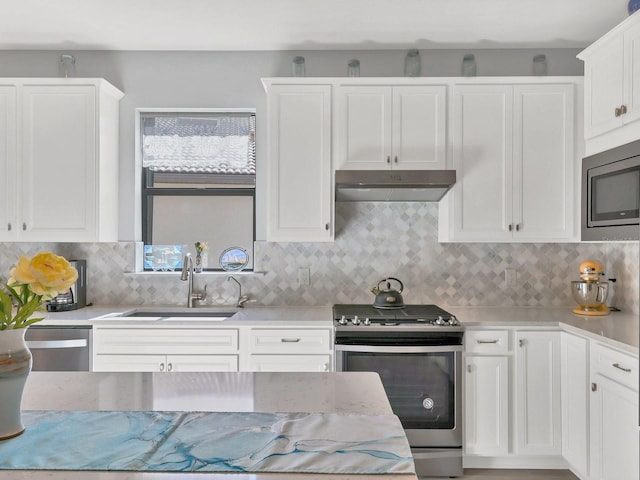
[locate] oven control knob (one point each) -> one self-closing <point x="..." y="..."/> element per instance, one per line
<point x="343" y="320"/>
<point x="367" y="321"/>
<point x="356" y="320"/>
<point x="453" y="320"/>
<point x="439" y="320"/>
<point x="428" y="403"/>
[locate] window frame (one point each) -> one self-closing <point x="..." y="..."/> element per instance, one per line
<point x="145" y="194"/>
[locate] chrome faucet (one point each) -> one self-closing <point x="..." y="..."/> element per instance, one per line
<point x="187" y="275"/>
<point x="242" y="299"/>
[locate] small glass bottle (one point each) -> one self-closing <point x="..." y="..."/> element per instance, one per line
<point x="297" y="67"/>
<point x="412" y="64"/>
<point x="540" y="65"/>
<point x="67" y="65"/>
<point x="469" y="65"/>
<point x="353" y="69"/>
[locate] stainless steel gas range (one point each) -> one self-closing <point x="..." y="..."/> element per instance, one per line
<point x="417" y="351"/>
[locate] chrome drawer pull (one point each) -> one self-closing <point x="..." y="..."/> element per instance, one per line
<point x="487" y="341"/>
<point x="617" y="365"/>
<point x="289" y="340"/>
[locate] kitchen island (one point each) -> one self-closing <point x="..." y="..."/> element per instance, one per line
<point x="350" y="394"/>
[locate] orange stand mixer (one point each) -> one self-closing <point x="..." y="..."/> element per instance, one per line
<point x="590" y="293"/>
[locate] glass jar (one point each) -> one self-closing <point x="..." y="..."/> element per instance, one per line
<point x="540" y="65"/>
<point x="297" y="67"/>
<point x="412" y="64"/>
<point x="353" y="69"/>
<point x="469" y="65"/>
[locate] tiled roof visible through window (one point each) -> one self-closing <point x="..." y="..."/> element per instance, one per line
<point x="182" y="143"/>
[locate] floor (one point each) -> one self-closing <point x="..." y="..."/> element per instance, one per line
<point x="486" y="474"/>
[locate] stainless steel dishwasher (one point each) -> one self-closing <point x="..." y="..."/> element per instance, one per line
<point x="60" y="348"/>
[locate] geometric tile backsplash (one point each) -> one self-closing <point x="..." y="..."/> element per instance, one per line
<point x="373" y="241"/>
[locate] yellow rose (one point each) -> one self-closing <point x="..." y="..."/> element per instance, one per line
<point x="46" y="274"/>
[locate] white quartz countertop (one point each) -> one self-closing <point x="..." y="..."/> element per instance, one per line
<point x="348" y="392"/>
<point x="619" y="329"/>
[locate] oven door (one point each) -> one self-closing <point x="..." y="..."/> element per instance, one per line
<point x="422" y="384"/>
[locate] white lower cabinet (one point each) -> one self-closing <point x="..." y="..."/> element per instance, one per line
<point x="290" y="350"/>
<point x="574" y="375"/>
<point x="614" y="415"/>
<point x="512" y="399"/>
<point x="486" y="405"/>
<point x="538" y="424"/>
<point x="154" y="348"/>
<point x="158" y="349"/>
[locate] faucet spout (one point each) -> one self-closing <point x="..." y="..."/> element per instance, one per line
<point x="242" y="299"/>
<point x="187" y="276"/>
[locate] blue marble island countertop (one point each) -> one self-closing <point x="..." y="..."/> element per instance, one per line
<point x="317" y="393"/>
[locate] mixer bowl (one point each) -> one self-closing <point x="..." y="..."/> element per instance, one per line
<point x="589" y="294"/>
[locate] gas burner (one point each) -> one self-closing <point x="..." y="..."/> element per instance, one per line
<point x="410" y="316"/>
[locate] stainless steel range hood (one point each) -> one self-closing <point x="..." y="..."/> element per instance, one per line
<point x="393" y="185"/>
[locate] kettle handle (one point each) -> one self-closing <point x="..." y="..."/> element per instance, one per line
<point x="392" y="278"/>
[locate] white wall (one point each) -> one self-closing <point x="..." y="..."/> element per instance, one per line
<point x="232" y="79"/>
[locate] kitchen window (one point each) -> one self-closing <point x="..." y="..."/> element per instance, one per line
<point x="198" y="181"/>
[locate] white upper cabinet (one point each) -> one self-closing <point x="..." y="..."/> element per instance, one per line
<point x="385" y="127"/>
<point x="514" y="152"/>
<point x="612" y="87"/>
<point x="61" y="159"/>
<point x="8" y="161"/>
<point x="300" y="184"/>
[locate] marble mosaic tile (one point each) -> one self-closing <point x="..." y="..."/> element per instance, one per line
<point x="373" y="241"/>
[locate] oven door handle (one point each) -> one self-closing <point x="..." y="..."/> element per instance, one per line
<point x="398" y="349"/>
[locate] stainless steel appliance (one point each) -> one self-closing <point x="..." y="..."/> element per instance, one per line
<point x="417" y="351"/>
<point x="76" y="296"/>
<point x="611" y="194"/>
<point x="60" y="348"/>
<point x="393" y="185"/>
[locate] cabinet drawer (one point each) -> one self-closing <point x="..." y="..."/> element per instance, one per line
<point x="290" y="363"/>
<point x="164" y="341"/>
<point x="291" y="340"/>
<point x="487" y="341"/>
<point x="617" y="366"/>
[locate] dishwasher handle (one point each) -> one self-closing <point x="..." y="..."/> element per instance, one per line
<point x="54" y="344"/>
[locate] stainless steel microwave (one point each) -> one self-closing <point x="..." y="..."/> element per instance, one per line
<point x="611" y="194"/>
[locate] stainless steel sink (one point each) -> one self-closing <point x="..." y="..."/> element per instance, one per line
<point x="165" y="314"/>
<point x="177" y="314"/>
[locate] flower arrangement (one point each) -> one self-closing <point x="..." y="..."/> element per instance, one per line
<point x="201" y="247"/>
<point x="33" y="281"/>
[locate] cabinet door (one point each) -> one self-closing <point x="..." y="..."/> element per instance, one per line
<point x="419" y="128"/>
<point x="574" y="374"/>
<point x="8" y="162"/>
<point x="482" y="157"/>
<point x="603" y="72"/>
<point x="300" y="180"/>
<point x="363" y="133"/>
<point x="543" y="163"/>
<point x="632" y="74"/>
<point x="614" y="430"/>
<point x="537" y="393"/>
<point x="290" y="363"/>
<point x="129" y="363"/>
<point x="58" y="168"/>
<point x="486" y="405"/>
<point x="202" y="363"/>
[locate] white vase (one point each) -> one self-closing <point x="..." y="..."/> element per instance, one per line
<point x="15" y="365"/>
